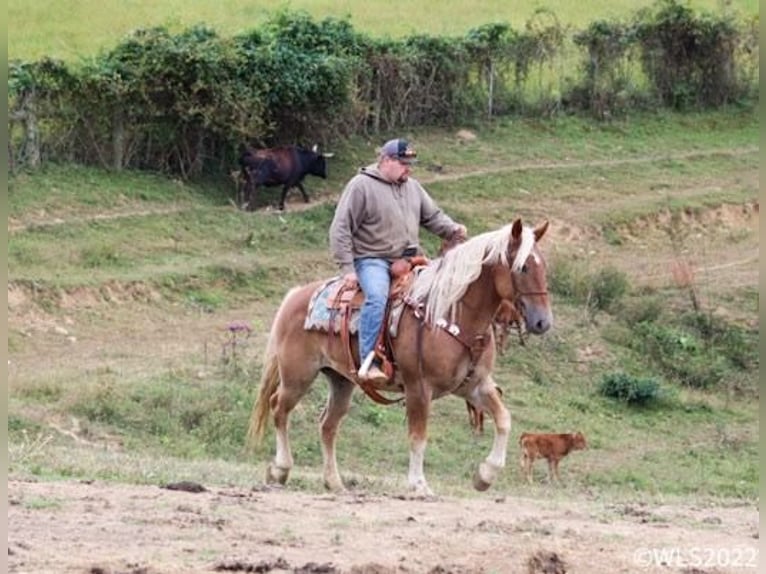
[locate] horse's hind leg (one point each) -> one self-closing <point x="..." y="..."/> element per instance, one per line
<point x="488" y="397"/>
<point x="338" y="404"/>
<point x="282" y="403"/>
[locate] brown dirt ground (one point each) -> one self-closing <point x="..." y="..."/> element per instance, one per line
<point x="95" y="527"/>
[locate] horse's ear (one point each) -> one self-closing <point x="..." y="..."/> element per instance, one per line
<point x="516" y="228"/>
<point x="540" y="230"/>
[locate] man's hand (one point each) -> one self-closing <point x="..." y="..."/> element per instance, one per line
<point x="460" y="233"/>
<point x="350" y="281"/>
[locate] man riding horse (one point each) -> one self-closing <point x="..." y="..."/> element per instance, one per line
<point x="377" y="222"/>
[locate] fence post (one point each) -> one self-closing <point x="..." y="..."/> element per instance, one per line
<point x="28" y="117"/>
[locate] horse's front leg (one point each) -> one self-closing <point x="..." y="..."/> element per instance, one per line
<point x="486" y="397"/>
<point x="418" y="401"/>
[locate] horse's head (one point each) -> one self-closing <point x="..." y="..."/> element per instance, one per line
<point x="506" y="261"/>
<point x="526" y="286"/>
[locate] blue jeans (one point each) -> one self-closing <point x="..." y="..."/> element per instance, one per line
<point x="374" y="279"/>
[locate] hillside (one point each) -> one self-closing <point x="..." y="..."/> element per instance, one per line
<point x="124" y="376"/>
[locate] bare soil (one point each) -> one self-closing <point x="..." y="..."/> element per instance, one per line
<point x="94" y="527"/>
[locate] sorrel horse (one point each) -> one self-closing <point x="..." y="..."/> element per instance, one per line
<point x="444" y="346"/>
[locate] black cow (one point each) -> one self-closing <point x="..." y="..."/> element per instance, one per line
<point x="285" y="166"/>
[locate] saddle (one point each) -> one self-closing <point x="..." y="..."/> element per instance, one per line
<point x="344" y="301"/>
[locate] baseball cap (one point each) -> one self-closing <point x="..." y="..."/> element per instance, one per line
<point x="399" y="149"/>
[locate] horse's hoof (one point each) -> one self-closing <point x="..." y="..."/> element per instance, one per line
<point x="484" y="477"/>
<point x="480" y="484"/>
<point x="276" y="475"/>
<point x="335" y="486"/>
<point x="421" y="490"/>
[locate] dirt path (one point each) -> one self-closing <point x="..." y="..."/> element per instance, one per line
<point x="76" y="527"/>
<point x="295" y="204"/>
<point x="548" y="165"/>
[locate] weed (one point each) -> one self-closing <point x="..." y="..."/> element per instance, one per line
<point x="596" y="291"/>
<point x="205" y="300"/>
<point x="100" y="256"/>
<point x="237" y="334"/>
<point x="607" y="287"/>
<point x="28" y="448"/>
<point x="41" y="503"/>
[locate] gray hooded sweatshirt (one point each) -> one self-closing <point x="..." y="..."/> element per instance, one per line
<point x="378" y="218"/>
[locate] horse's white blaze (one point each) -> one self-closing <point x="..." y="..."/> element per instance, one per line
<point x="526" y="247"/>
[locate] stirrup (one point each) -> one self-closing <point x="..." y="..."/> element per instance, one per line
<point x="366" y="364"/>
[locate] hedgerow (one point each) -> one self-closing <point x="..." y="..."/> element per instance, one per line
<point x="184" y="103"/>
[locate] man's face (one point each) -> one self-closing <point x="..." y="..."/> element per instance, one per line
<point x="394" y="170"/>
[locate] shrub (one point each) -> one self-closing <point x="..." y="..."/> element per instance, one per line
<point x="567" y="280"/>
<point x="699" y="352"/>
<point x="607" y="85"/>
<point x="598" y="291"/>
<point x="641" y="309"/>
<point x="688" y="58"/>
<point x="632" y="390"/>
<point x="737" y="345"/>
<point x="183" y="103"/>
<point x="607" y="287"/>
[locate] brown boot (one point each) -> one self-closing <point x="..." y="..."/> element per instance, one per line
<point x="374" y="375"/>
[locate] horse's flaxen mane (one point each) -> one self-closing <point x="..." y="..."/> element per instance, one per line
<point x="444" y="282"/>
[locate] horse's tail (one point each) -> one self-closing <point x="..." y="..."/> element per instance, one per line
<point x="261" y="409"/>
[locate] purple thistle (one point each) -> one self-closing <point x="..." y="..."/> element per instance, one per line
<point x="239" y="326"/>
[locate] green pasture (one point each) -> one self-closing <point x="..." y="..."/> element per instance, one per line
<point x="185" y="252"/>
<point x="73" y="29"/>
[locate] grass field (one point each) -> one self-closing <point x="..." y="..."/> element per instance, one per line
<point x="121" y="287"/>
<point x="55" y="28"/>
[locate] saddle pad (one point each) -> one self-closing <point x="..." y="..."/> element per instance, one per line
<point x="321" y="316"/>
